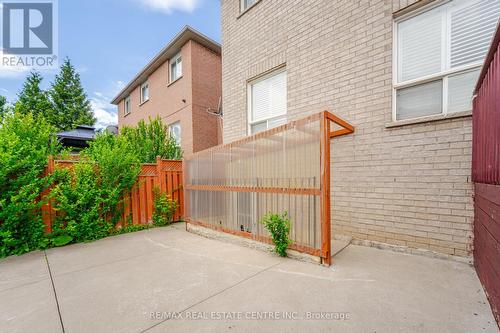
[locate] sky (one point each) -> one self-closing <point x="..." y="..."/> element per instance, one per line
<point x="109" y="41"/>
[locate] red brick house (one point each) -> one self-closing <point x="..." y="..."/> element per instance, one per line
<point x="182" y="85"/>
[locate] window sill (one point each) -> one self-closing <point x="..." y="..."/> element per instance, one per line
<point x="171" y="83"/>
<point x="248" y="9"/>
<point x="426" y="119"/>
<point x="144" y="102"/>
<point x="126" y="114"/>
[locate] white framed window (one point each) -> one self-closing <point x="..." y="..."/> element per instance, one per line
<point x="175" y="67"/>
<point x="438" y="54"/>
<point x="267" y="102"/>
<point x="175" y="131"/>
<point x="126" y="106"/>
<point x="245" y="4"/>
<point x="144" y="92"/>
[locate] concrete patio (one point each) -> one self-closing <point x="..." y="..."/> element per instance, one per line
<point x="168" y="280"/>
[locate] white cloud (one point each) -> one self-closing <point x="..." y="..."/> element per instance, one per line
<point x="168" y="6"/>
<point x="13" y="72"/>
<point x="119" y="85"/>
<point x="104" y="112"/>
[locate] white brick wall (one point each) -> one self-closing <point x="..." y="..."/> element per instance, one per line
<point x="406" y="185"/>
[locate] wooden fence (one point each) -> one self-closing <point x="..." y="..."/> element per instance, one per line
<point x="138" y="204"/>
<point x="486" y="175"/>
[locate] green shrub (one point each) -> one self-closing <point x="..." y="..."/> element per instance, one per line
<point x="26" y="142"/>
<point x="152" y="139"/>
<point x="164" y="208"/>
<point x="130" y="228"/>
<point x="279" y="228"/>
<point x="89" y="198"/>
<point x="62" y="240"/>
<point x="79" y="203"/>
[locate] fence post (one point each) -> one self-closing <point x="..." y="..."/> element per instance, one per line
<point x="185" y="193"/>
<point x="160" y="175"/>
<point x="325" y="190"/>
<point x="47" y="210"/>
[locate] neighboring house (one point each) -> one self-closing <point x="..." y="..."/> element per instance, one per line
<point x="78" y="138"/>
<point x="182" y="85"/>
<point x="402" y="72"/>
<point x="112" y="129"/>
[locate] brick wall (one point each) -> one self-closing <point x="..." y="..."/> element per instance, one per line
<point x="184" y="100"/>
<point x="407" y="185"/>
<point x="207" y="90"/>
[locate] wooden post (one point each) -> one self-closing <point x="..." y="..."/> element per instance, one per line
<point x="158" y="173"/>
<point x="325" y="190"/>
<point x="47" y="210"/>
<point x="185" y="194"/>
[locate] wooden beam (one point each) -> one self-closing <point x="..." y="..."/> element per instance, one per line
<point x="252" y="189"/>
<point x="339" y="121"/>
<point x="185" y="193"/>
<point x="263" y="239"/>
<point x="340" y="132"/>
<point x="325" y="190"/>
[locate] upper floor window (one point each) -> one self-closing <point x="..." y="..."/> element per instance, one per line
<point x="245" y="4"/>
<point x="175" y="131"/>
<point x="144" y="92"/>
<point x="126" y="106"/>
<point x="438" y="56"/>
<point x="267" y="102"/>
<point x="175" y="67"/>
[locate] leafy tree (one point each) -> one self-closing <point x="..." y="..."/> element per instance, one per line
<point x="71" y="106"/>
<point x="32" y="99"/>
<point x="152" y="139"/>
<point x="3" y="103"/>
<point x="4" y="107"/>
<point x="25" y="143"/>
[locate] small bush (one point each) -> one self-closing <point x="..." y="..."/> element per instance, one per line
<point x="164" y="208"/>
<point x="279" y="228"/>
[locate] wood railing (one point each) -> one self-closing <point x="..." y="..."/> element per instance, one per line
<point x="138" y="204"/>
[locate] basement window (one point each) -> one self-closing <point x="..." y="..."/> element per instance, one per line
<point x="438" y="56"/>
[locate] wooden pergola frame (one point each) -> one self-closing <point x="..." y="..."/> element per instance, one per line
<point x="326" y="133"/>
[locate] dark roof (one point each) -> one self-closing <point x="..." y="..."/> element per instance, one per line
<point x="166" y="53"/>
<point x="81" y="132"/>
